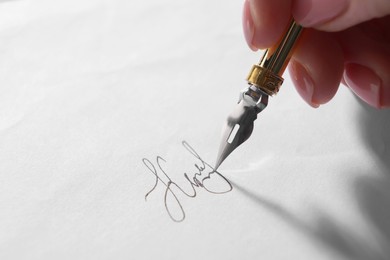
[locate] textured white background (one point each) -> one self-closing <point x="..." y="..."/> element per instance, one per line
<point x="89" y="88"/>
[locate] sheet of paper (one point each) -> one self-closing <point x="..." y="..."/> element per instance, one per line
<point x="96" y="96"/>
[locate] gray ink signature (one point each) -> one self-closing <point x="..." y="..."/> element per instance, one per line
<point x="203" y="173"/>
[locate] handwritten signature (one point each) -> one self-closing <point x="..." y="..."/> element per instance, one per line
<point x="205" y="177"/>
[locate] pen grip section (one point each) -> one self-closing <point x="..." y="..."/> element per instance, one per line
<point x="277" y="57"/>
<point x="267" y="75"/>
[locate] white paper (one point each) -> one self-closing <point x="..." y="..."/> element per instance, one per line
<point x="90" y="88"/>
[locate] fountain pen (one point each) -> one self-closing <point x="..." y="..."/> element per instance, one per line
<point x="264" y="80"/>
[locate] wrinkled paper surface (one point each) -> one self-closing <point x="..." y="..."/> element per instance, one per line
<point x="90" y="88"/>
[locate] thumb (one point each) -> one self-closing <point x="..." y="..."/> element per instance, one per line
<point x="337" y="15"/>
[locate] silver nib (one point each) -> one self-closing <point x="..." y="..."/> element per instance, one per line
<point x="239" y="124"/>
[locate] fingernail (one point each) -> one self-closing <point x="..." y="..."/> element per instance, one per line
<point x="248" y="25"/>
<point x="365" y="83"/>
<point x="315" y="12"/>
<point x="304" y="83"/>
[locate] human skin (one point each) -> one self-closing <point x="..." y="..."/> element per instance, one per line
<point x="346" y="41"/>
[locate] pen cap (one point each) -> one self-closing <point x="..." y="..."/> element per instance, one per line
<point x="267" y="74"/>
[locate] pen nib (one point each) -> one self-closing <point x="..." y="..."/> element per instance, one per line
<point x="239" y="125"/>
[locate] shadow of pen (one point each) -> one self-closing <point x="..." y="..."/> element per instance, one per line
<point x="273" y="207"/>
<point x="324" y="231"/>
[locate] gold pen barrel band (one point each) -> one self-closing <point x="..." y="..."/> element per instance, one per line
<point x="265" y="80"/>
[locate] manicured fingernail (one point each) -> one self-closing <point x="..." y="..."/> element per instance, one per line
<point x="365" y="83"/>
<point x="315" y="12"/>
<point x="248" y="25"/>
<point x="304" y="83"/>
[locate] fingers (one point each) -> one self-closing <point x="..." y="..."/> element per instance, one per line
<point x="265" y="21"/>
<point x="316" y="67"/>
<point x="337" y="15"/>
<point x="315" y="72"/>
<point x="318" y="62"/>
<point x="367" y="69"/>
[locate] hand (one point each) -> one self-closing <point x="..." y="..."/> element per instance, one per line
<point x="347" y="41"/>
